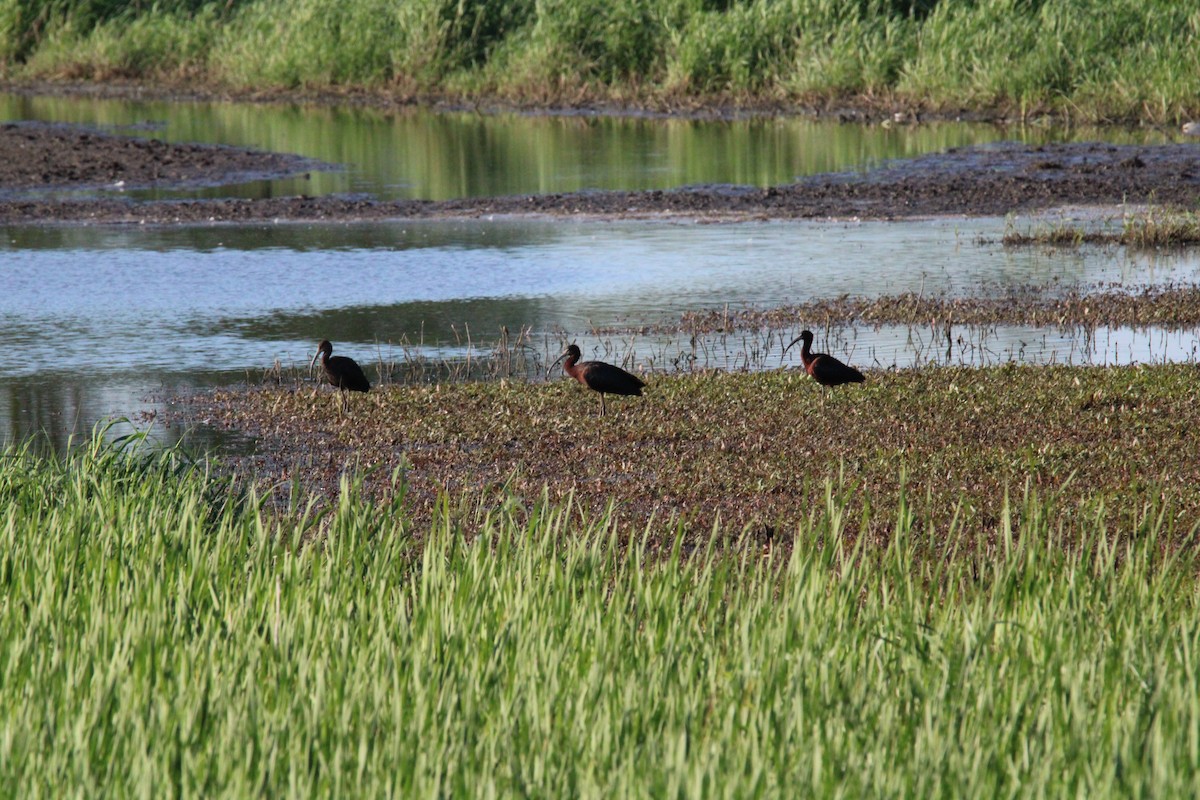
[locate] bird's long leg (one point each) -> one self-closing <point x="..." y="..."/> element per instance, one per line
<point x="602" y="404"/>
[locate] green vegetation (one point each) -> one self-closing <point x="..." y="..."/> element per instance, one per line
<point x="1091" y="59"/>
<point x="1150" y="229"/>
<point x="163" y="636"/>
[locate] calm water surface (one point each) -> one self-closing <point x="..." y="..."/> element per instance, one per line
<point x="436" y="156"/>
<point x="104" y="321"/>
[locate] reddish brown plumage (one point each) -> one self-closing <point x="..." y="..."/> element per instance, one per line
<point x="825" y="369"/>
<point x="599" y="376"/>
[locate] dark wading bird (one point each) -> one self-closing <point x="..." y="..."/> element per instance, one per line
<point x="598" y="376"/>
<point x="825" y="369"/>
<point x="340" y="371"/>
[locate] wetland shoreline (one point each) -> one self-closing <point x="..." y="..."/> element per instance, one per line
<point x="985" y="181"/>
<point x="491" y="550"/>
<point x="978" y="181"/>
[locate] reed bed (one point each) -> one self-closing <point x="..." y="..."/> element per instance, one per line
<point x="165" y="635"/>
<point x="938" y="330"/>
<point x="1087" y="59"/>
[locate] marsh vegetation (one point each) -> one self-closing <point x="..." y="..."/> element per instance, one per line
<point x="1087" y="59"/>
<point x="948" y="581"/>
<point x="1151" y="228"/>
<point x="181" y="637"/>
<point x="754" y="449"/>
<point x="1168" y="307"/>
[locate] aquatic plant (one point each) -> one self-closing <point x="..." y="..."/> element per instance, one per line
<point x="1146" y="229"/>
<point x="1168" y="307"/>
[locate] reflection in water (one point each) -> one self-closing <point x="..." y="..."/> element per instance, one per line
<point x="52" y="411"/>
<point x="56" y="411"/>
<point x="419" y="324"/>
<point x="436" y="156"/>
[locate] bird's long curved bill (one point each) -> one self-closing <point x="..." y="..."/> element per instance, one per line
<point x="313" y="363"/>
<point x="553" y="364"/>
<point x="792" y="342"/>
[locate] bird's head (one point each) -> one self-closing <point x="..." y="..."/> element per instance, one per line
<point x="572" y="352"/>
<point x="805" y="336"/>
<point x="324" y="347"/>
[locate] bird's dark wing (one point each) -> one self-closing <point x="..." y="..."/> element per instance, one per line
<point x="602" y="377"/>
<point x="828" y="371"/>
<point x="345" y="373"/>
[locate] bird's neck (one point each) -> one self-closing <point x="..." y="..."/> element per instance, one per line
<point x="806" y="353"/>
<point x="572" y="370"/>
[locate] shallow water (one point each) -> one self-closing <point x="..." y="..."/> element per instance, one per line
<point x="104" y="321"/>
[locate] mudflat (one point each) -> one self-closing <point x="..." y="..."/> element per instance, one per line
<point x="54" y="156"/>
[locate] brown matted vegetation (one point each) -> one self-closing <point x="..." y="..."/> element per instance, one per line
<point x="755" y="449"/>
<point x="1172" y="307"/>
<point x="36" y="155"/>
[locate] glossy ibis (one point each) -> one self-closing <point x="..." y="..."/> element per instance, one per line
<point x="598" y="376"/>
<point x="825" y="369"/>
<point x="340" y="371"/>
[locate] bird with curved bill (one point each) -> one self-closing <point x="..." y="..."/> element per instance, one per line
<point x="825" y="369"/>
<point x="598" y="376"/>
<point x="340" y="371"/>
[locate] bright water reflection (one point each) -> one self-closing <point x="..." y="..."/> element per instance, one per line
<point x="427" y="155"/>
<point x="103" y="321"/>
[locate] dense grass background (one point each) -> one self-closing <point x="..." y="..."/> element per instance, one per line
<point x="1094" y="59"/>
<point x="161" y="636"/>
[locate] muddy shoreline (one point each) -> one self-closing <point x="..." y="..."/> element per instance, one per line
<point x="994" y="180"/>
<point x="68" y="157"/>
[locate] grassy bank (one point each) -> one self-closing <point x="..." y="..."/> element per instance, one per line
<point x="1091" y="59"/>
<point x="163" y="637"/>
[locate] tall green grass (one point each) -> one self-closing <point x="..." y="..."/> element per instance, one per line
<point x="1094" y="59"/>
<point x="161" y="636"/>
